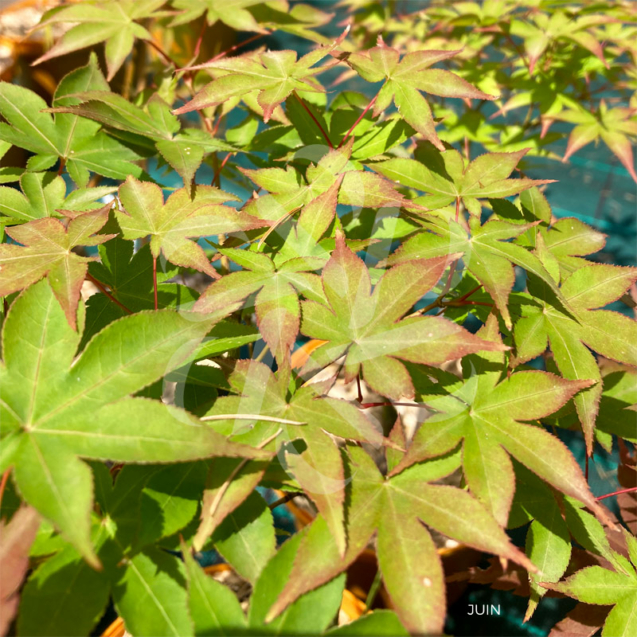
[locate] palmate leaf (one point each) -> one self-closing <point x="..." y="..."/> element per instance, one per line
<point x="276" y="74"/>
<point x="447" y="177"/>
<point x="486" y="253"/>
<point x="77" y="141"/>
<point x="318" y="467"/>
<point x="43" y="195"/>
<point x="114" y="22"/>
<point x="366" y="326"/>
<point x="181" y="218"/>
<point x="233" y="13"/>
<point x="615" y="127"/>
<point x="617" y="588"/>
<point x="570" y="335"/>
<point x="333" y="176"/>
<point x="484" y="413"/>
<point x="182" y="149"/>
<point x="47" y="251"/>
<point x="395" y="509"/>
<point x="215" y="609"/>
<point x="406" y="78"/>
<point x="65" y="596"/>
<point x="277" y="306"/>
<point x="54" y="409"/>
<point x="129" y="279"/>
<point x="551" y="28"/>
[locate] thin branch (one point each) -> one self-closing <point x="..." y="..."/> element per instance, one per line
<point x="163" y="53"/>
<point x="3" y="484"/>
<point x="309" y="112"/>
<point x="284" y="500"/>
<point x="608" y="495"/>
<point x="216" y="179"/>
<point x="102" y="288"/>
<point x="283" y="421"/>
<point x="389" y="404"/>
<point x="357" y="122"/>
<point x="237" y="46"/>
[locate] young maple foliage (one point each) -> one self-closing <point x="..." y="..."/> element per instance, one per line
<point x="76" y="141"/>
<point x="447" y="178"/>
<point x="141" y="424"/>
<point x="170" y="225"/>
<point x="366" y="325"/>
<point x="572" y="332"/>
<point x="288" y="191"/>
<point x="318" y="468"/>
<point x="486" y="251"/>
<point x="115" y="22"/>
<point x="83" y="410"/>
<point x="404" y="79"/>
<point x="612" y="125"/>
<point x="46" y="251"/>
<point x="275" y="74"/>
<point x="396" y="508"/>
<point x="484" y="412"/>
<point x="616" y="588"/>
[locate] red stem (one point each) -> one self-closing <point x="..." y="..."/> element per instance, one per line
<point x="155" y="280"/>
<point x="3" y="484"/>
<point x="236" y="46"/>
<point x="360" y="391"/>
<point x="608" y="495"/>
<point x="200" y="39"/>
<point x="457" y="208"/>
<point x="468" y="294"/>
<point x="309" y="112"/>
<point x="163" y="53"/>
<point x="102" y="288"/>
<point x="217" y="175"/>
<point x="357" y="122"/>
<point x="369" y="405"/>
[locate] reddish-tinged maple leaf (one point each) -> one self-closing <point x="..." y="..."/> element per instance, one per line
<point x="171" y="224"/>
<point x="366" y="325"/>
<point x="47" y="250"/>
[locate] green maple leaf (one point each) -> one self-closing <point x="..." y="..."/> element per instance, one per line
<point x="561" y="247"/>
<point x="66" y="596"/>
<point x="486" y="253"/>
<point x="129" y="279"/>
<point x="182" y="149"/>
<point x="448" y="178"/>
<point x="171" y="224"/>
<point x="397" y="508"/>
<point x="47" y="251"/>
<point x="277" y="308"/>
<point x="115" y="22"/>
<point x="614" y="126"/>
<point x="570" y="335"/>
<point x="234" y="13"/>
<point x="43" y="195"/>
<point x="366" y="326"/>
<point x="215" y="609"/>
<point x="404" y="79"/>
<point x="333" y="176"/>
<point x="318" y="468"/>
<point x="484" y="413"/>
<point x="55" y="410"/>
<point x="544" y="30"/>
<point x="74" y="140"/>
<point x="616" y="588"/>
<point x="276" y="74"/>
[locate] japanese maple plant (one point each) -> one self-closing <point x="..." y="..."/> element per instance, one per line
<point x="230" y="269"/>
